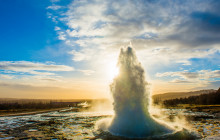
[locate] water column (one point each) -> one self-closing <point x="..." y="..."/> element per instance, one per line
<point x="131" y="100"/>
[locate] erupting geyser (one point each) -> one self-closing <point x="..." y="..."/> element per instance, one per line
<point x="131" y="100"/>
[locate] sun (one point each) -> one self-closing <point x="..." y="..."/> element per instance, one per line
<point x="112" y="71"/>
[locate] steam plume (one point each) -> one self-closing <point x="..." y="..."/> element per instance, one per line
<point x="131" y="100"/>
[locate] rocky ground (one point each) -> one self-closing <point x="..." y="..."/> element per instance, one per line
<point x="68" y="124"/>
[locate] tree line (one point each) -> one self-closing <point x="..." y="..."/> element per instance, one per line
<point x="203" y="99"/>
<point x="36" y="105"/>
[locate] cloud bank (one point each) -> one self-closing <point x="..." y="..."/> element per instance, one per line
<point x="164" y="33"/>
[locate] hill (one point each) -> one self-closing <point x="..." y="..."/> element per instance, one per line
<point x="203" y="99"/>
<point x="174" y="95"/>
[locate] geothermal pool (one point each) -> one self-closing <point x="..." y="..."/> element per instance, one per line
<point x="67" y="124"/>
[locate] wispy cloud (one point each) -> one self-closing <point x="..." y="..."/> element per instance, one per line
<point x="57" y="28"/>
<point x="87" y="72"/>
<point x="54" y="7"/>
<point x="180" y="81"/>
<point x="62" y="35"/>
<point x="54" y="1"/>
<point x="33" y="67"/>
<point x="185" y="76"/>
<point x="5" y="76"/>
<point x="79" y="56"/>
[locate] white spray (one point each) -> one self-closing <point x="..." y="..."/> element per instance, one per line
<point x="131" y="100"/>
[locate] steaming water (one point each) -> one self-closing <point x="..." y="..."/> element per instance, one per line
<point x="68" y="124"/>
<point x="131" y="100"/>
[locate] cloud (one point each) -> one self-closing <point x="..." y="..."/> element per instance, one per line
<point x="4" y="76"/>
<point x="57" y="28"/>
<point x="180" y="81"/>
<point x="187" y="81"/>
<point x="54" y="1"/>
<point x="33" y="67"/>
<point x="124" y="20"/>
<point x="78" y="56"/>
<point x="188" y="29"/>
<point x="87" y="72"/>
<point x="200" y="30"/>
<point x="169" y="55"/>
<point x="25" y="90"/>
<point x="47" y="78"/>
<point x="185" y="76"/>
<point x="210" y="74"/>
<point x="163" y="33"/>
<point x="54" y="7"/>
<point x="12" y="85"/>
<point x="62" y="35"/>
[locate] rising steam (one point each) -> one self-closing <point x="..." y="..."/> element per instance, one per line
<point x="131" y="100"/>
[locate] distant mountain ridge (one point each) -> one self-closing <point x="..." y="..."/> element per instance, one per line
<point x="174" y="95"/>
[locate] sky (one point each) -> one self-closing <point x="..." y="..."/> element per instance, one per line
<point x="66" y="49"/>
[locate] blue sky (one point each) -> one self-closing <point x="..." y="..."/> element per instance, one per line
<point x="68" y="45"/>
<point x="24" y="28"/>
